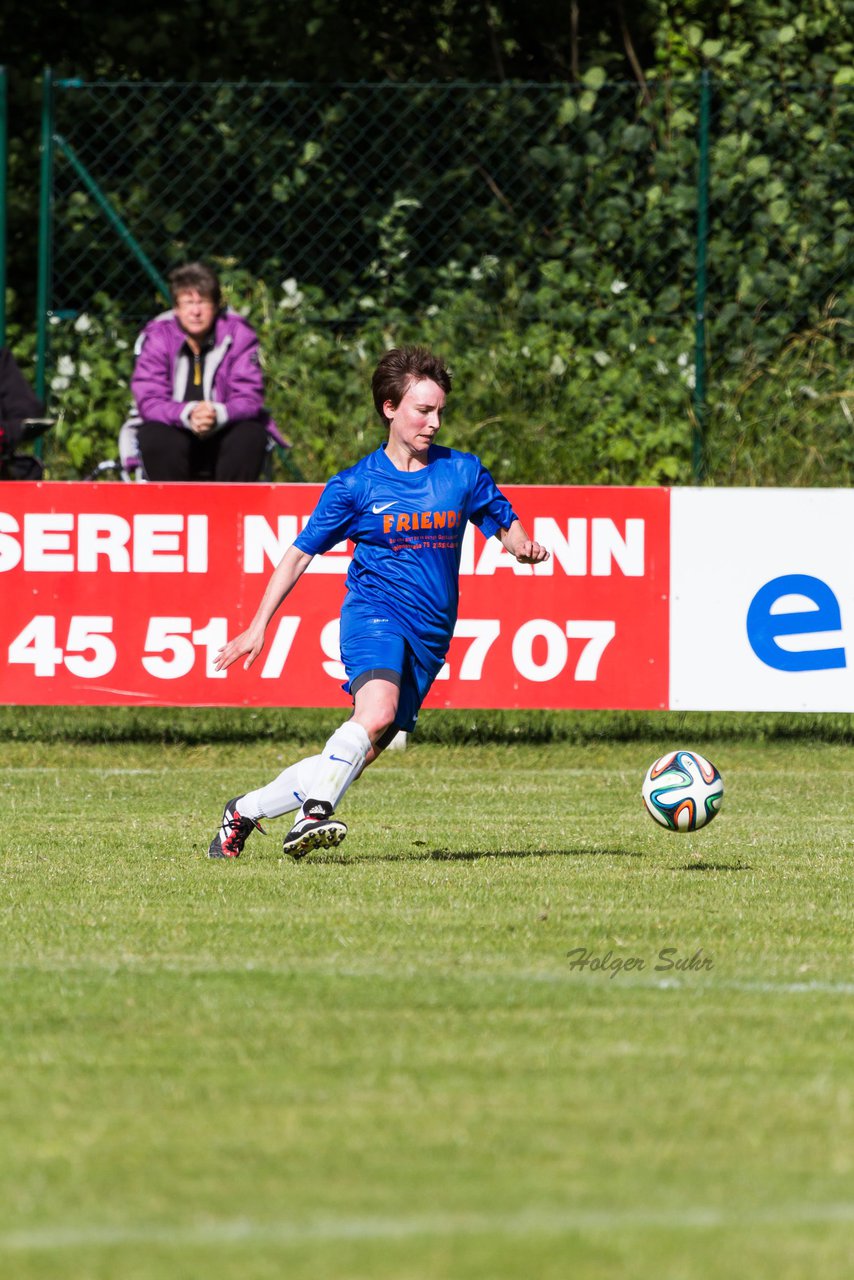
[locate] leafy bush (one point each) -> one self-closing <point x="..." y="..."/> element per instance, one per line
<point x="533" y="403"/>
<point x="536" y="403"/>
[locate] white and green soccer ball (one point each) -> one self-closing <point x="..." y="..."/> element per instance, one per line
<point x="683" y="790"/>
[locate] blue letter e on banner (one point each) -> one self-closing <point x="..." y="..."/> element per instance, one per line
<point x="764" y="627"/>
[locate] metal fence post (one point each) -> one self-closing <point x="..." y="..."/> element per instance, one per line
<point x="700" y="407"/>
<point x="117" y="223"/>
<point x="45" y="233"/>
<point x="3" y="157"/>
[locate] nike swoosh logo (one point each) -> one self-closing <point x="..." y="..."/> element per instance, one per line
<point x="381" y="506"/>
<point x="340" y="759"/>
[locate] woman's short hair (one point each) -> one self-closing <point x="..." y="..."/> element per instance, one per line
<point x="399" y="368"/>
<point x="198" y="276"/>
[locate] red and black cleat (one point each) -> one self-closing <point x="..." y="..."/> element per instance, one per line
<point x="233" y="833"/>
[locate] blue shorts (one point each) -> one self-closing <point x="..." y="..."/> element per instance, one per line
<point x="374" y="648"/>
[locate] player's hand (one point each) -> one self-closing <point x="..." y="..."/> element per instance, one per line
<point x="247" y="645"/>
<point x="531" y="553"/>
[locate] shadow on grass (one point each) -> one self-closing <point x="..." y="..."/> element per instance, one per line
<point x="715" y="866"/>
<point x="470" y="855"/>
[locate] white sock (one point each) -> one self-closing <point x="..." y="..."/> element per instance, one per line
<point x="283" y="794"/>
<point x="340" y="763"/>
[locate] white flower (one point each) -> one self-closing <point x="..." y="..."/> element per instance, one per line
<point x="633" y="346"/>
<point x="293" y="295"/>
<point x="682" y="359"/>
<point x="121" y="345"/>
<point x="406" y="202"/>
<point x="58" y="383"/>
<point x="602" y="358"/>
<point x="54" y="319"/>
<point x="619" y="286"/>
<point x="557" y="366"/>
<point x="661" y="367"/>
<point x="65" y="366"/>
<point x="85" y="370"/>
<point x="526" y="352"/>
<point x="487" y="266"/>
<point x="83" y="323"/>
<point x="291" y="302"/>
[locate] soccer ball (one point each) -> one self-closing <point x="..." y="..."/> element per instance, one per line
<point x="683" y="791"/>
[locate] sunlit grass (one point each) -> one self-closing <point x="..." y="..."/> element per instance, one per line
<point x="381" y="1061"/>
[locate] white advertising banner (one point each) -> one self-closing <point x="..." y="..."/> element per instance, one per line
<point x="762" y="599"/>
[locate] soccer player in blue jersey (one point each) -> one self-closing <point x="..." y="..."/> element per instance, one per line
<point x="405" y="507"/>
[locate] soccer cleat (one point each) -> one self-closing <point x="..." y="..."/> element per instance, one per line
<point x="233" y="833"/>
<point x="316" y="829"/>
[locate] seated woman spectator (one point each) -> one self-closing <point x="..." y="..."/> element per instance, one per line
<point x="198" y="389"/>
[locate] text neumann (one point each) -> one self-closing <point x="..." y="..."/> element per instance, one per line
<point x="167" y="542"/>
<point x="580" y="547"/>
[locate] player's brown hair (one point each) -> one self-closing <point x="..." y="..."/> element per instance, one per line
<point x="399" y="368"/>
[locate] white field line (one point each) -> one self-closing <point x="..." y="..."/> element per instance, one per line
<point x="102" y="773"/>
<point x="130" y="964"/>
<point x="706" y="985"/>
<point x="762" y="987"/>
<point x="567" y="1221"/>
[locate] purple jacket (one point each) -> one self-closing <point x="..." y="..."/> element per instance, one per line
<point x="232" y="374"/>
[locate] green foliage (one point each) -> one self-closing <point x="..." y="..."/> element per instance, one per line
<point x="542" y="235"/>
<point x="535" y="400"/>
<point x="789" y="418"/>
<point x="89" y="388"/>
<point x="531" y="402"/>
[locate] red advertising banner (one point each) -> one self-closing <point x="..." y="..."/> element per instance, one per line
<point x="118" y="594"/>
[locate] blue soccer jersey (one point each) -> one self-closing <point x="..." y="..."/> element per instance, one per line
<point x="408" y="529"/>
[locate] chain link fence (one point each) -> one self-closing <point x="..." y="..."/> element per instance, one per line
<point x="662" y="249"/>
<point x="321" y="182"/>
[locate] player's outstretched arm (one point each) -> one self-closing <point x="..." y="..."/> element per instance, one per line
<point x="250" y="642"/>
<point x="516" y="541"/>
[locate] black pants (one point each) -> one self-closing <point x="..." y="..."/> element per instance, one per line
<point x="235" y="452"/>
<point x="20" y="466"/>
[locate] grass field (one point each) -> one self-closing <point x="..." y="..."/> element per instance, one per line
<point x="381" y="1062"/>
